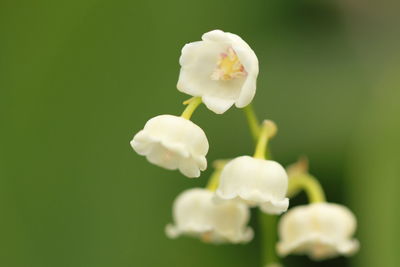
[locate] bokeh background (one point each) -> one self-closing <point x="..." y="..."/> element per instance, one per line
<point x="78" y="78"/>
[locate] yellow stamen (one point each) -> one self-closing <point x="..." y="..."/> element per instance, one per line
<point x="228" y="67"/>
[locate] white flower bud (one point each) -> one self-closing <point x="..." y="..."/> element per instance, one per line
<point x="196" y="214"/>
<point x="257" y="182"/>
<point x="173" y="143"/>
<point x="320" y="230"/>
<point x="222" y="69"/>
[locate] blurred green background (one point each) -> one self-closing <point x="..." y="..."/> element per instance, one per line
<point x="79" y="78"/>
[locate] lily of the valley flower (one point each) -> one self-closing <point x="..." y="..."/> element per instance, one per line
<point x="196" y="214"/>
<point x="320" y="230"/>
<point x="222" y="69"/>
<point x="173" y="142"/>
<point x="257" y="182"/>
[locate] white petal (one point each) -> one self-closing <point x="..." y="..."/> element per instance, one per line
<point x="201" y="162"/>
<point x="172" y="231"/>
<point x="250" y="62"/>
<point x="189" y="168"/>
<point x="163" y="157"/>
<point x="349" y="247"/>
<point x="196" y="214"/>
<point x="247" y="92"/>
<point x="141" y="143"/>
<point x="218" y="105"/>
<point x="215" y="36"/>
<point x="173" y="142"/>
<point x="199" y="61"/>
<point x="256" y="182"/>
<point x="320" y="230"/>
<point x="275" y="207"/>
<point x="190" y="53"/>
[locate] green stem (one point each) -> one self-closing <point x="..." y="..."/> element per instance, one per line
<point x="252" y="121"/>
<point x="268" y="223"/>
<point x="269" y="237"/>
<point x="309" y="184"/>
<point x="261" y="147"/>
<point x="254" y="125"/>
<point x="213" y="182"/>
<point x="193" y="103"/>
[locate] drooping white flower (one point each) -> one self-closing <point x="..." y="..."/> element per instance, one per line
<point x="222" y="69"/>
<point x="173" y="142"/>
<point x="197" y="214"/>
<point x="257" y="182"/>
<point x="320" y="230"/>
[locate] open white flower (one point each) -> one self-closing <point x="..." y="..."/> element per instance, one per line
<point x="320" y="230"/>
<point x="257" y="182"/>
<point x="222" y="69"/>
<point x="196" y="214"/>
<point x="173" y="142"/>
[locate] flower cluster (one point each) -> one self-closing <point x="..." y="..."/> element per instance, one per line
<point x="219" y="71"/>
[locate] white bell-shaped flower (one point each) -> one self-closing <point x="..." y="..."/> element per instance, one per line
<point x="222" y="69"/>
<point x="255" y="181"/>
<point x="173" y="142"/>
<point x="197" y="214"/>
<point x="320" y="230"/>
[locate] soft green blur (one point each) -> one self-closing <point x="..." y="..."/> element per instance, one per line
<point x="78" y="78"/>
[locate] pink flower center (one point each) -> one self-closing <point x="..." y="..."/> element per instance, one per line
<point x="228" y="67"/>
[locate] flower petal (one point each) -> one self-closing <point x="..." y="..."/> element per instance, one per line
<point x="173" y="142"/>
<point x="189" y="168"/>
<point x="218" y="105"/>
<point x="201" y="63"/>
<point x="196" y="214"/>
<point x="275" y="206"/>
<point x="320" y="230"/>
